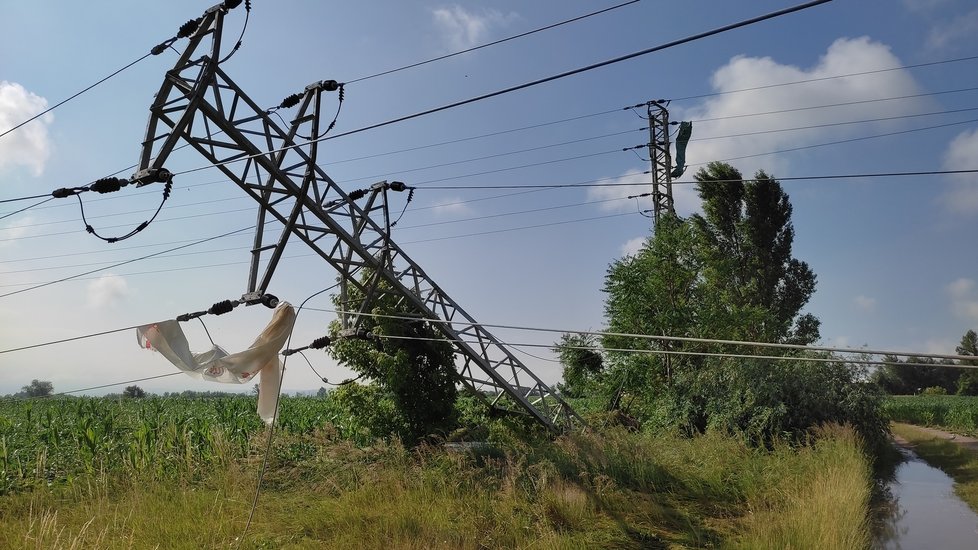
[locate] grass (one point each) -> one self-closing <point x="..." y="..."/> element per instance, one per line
<point x="955" y="460"/>
<point x="613" y="489"/>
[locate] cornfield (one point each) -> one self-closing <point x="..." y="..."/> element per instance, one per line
<point x="955" y="412"/>
<point x="49" y="441"/>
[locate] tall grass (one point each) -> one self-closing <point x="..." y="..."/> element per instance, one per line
<point x="613" y="489"/>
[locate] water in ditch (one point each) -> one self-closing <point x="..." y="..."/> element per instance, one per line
<point x="924" y="512"/>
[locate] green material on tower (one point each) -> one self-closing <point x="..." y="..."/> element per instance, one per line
<point x="682" y="140"/>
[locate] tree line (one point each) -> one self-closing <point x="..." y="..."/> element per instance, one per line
<point x="945" y="377"/>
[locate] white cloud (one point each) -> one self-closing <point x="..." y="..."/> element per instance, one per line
<point x="959" y="29"/>
<point x="960" y="288"/>
<point x="961" y="197"/>
<point x="632" y="247"/>
<point x="452" y="206"/>
<point x="844" y="56"/>
<point x="865" y="303"/>
<point x="463" y="29"/>
<point x="107" y="291"/>
<point x="29" y="145"/>
<point x="619" y="189"/>
<point x="964" y="298"/>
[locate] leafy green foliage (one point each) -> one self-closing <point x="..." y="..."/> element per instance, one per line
<point x="899" y="378"/>
<point x="134" y="392"/>
<point x="968" y="381"/>
<point x="37" y="388"/>
<point x="409" y="361"/>
<point x="582" y="364"/>
<point x="726" y="274"/>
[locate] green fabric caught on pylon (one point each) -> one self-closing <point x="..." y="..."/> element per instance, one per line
<point x="682" y="140"/>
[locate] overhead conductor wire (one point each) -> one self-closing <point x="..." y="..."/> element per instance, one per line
<point x="667" y="45"/>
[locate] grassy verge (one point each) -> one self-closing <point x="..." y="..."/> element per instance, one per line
<point x="609" y="490"/>
<point x="956" y="461"/>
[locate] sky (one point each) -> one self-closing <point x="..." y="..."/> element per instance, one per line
<point x="895" y="257"/>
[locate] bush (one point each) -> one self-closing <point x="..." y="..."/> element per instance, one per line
<point x="935" y="390"/>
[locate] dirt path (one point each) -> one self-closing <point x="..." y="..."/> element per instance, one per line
<point x="965" y="441"/>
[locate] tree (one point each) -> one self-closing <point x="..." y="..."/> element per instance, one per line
<point x="408" y="359"/>
<point x="968" y="380"/>
<point x="582" y="364"/>
<point x="134" y="392"/>
<point x="727" y="274"/>
<point x="745" y="236"/>
<point x="906" y="377"/>
<point x="38" y="388"/>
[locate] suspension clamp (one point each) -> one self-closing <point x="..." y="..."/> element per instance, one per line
<point x="251" y="298"/>
<point x="151" y="175"/>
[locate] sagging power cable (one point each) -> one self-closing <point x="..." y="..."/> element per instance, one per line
<point x="111" y="185"/>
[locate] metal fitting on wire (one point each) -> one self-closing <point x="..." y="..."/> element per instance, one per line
<point x="322" y="342"/>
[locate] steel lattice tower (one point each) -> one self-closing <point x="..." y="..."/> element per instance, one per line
<point x="200" y="105"/>
<point x="661" y="159"/>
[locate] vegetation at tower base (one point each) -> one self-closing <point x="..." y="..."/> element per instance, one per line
<point x="413" y="381"/>
<point x="161" y="464"/>
<point x="727" y="273"/>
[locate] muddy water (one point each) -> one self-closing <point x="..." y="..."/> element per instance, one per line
<point x="924" y="511"/>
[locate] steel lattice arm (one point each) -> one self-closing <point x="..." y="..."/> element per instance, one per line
<point x="199" y="104"/>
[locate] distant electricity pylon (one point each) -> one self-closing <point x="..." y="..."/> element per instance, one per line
<point x="661" y="159"/>
<point x="199" y="104"/>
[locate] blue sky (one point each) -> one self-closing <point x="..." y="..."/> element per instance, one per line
<point x="895" y="258"/>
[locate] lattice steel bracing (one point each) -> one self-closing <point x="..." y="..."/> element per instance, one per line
<point x="661" y="159"/>
<point x="200" y="105"/>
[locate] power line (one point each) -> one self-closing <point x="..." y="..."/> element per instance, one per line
<point x="480" y="136"/>
<point x="72" y="339"/>
<point x="832" y="105"/>
<point x="508" y="230"/>
<point x="112" y="384"/>
<point x="27" y="198"/>
<point x="79" y="277"/>
<point x="645" y="183"/>
<point x="88" y="264"/>
<point x="513" y="213"/>
<point x="493" y="43"/>
<point x="132" y="212"/>
<point x="229" y="249"/>
<point x="819" y="79"/>
<point x="523" y="128"/>
<point x="496" y="155"/>
<point x="23" y="210"/>
<point x="842" y="141"/>
<point x="62" y="102"/>
<point x="667" y="45"/>
<point x="832" y="124"/>
<point x="63" y="279"/>
<point x="795" y="347"/>
<point x="113" y="249"/>
<point x="802" y="358"/>
<point x="180" y="218"/>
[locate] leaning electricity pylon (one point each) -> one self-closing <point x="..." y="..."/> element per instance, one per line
<point x="200" y="105"/>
